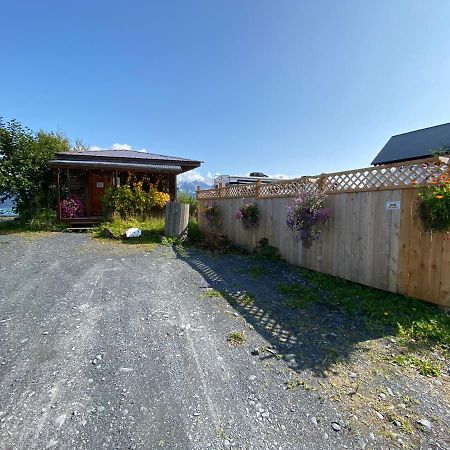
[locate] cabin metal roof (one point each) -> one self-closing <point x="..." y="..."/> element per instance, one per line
<point x="414" y="144"/>
<point x="123" y="159"/>
<point x="115" y="165"/>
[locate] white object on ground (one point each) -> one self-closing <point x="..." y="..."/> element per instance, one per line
<point x="133" y="232"/>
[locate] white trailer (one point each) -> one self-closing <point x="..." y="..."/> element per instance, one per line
<point x="227" y="180"/>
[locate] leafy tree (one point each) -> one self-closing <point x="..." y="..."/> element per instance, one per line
<point x="80" y="145"/>
<point x="24" y="173"/>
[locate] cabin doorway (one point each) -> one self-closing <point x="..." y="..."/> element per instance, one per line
<point x="98" y="182"/>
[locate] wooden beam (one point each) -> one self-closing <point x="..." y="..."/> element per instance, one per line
<point x="58" y="194"/>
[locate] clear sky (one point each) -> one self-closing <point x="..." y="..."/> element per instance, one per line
<point x="283" y="87"/>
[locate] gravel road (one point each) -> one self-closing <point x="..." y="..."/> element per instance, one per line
<point x="105" y="345"/>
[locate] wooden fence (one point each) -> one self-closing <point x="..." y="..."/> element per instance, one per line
<point x="374" y="237"/>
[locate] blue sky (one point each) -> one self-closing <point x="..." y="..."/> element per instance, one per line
<point x="283" y="87"/>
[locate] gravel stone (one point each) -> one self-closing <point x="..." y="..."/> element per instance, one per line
<point x="336" y="426"/>
<point x="424" y="423"/>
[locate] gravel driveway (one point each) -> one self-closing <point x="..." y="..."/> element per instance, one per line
<point x="105" y="345"/>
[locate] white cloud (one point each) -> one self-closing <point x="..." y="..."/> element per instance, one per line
<point x="117" y="146"/>
<point x="194" y="175"/>
<point x="281" y="176"/>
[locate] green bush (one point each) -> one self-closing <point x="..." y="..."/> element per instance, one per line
<point x="131" y="200"/>
<point x="183" y="197"/>
<point x="44" y="220"/>
<point x="265" y="250"/>
<point x="194" y="234"/>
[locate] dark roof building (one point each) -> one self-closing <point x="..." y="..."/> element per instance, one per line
<point x="123" y="159"/>
<point x="414" y="144"/>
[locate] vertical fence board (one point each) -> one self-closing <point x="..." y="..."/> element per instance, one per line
<point x="394" y="243"/>
<point x="405" y="241"/>
<point x="444" y="295"/>
<point x="437" y="248"/>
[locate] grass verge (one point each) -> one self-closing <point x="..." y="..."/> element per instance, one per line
<point x="42" y="220"/>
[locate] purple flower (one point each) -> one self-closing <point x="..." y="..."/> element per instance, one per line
<point x="322" y="215"/>
<point x="305" y="213"/>
<point x="72" y="207"/>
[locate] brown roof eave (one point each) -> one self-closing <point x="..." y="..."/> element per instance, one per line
<point x="116" y="165"/>
<point x="129" y="159"/>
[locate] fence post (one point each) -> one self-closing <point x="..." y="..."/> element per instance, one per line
<point x="58" y="193"/>
<point x="258" y="187"/>
<point x="176" y="219"/>
<point x="197" y="190"/>
<point x="321" y="182"/>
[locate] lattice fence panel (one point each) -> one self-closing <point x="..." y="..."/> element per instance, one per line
<point x="208" y="194"/>
<point x="382" y="177"/>
<point x="288" y="188"/>
<point x="395" y="176"/>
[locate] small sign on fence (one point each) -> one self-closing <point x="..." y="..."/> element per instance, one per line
<point x="393" y="204"/>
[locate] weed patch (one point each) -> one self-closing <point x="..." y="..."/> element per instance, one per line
<point x="256" y="271"/>
<point x="423" y="366"/>
<point x="265" y="250"/>
<point x="211" y="293"/>
<point x="407" y="318"/>
<point x="298" y="383"/>
<point x="245" y="298"/>
<point x="400" y="422"/>
<point x="236" y="337"/>
<point x="297" y="295"/>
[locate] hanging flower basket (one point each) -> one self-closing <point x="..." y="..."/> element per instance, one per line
<point x="248" y="215"/>
<point x="305" y="216"/>
<point x="212" y="215"/>
<point x="434" y="205"/>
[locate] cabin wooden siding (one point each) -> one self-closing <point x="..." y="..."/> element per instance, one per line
<point x="365" y="242"/>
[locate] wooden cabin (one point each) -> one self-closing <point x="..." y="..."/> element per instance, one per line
<point x="86" y="175"/>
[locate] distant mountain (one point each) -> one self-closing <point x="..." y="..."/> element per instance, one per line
<point x="189" y="187"/>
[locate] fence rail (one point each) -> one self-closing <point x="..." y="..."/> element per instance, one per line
<point x="378" y="178"/>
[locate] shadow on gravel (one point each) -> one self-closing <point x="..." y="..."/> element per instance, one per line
<point x="312" y="336"/>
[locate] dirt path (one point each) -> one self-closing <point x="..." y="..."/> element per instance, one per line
<point x="112" y="346"/>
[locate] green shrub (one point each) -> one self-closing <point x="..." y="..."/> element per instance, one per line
<point x="44" y="220"/>
<point x="265" y="250"/>
<point x="194" y="234"/>
<point x="190" y="200"/>
<point x="131" y="200"/>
